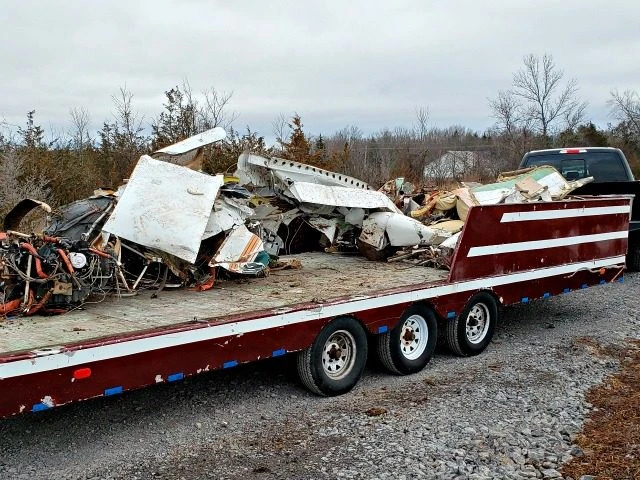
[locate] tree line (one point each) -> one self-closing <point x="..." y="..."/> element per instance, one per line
<point x="541" y="109"/>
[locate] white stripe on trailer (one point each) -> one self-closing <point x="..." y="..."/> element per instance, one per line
<point x="566" y="213"/>
<point x="541" y="244"/>
<point x="124" y="348"/>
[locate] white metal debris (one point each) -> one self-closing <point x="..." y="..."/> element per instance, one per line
<point x="200" y="140"/>
<point x="227" y="213"/>
<point x="165" y="207"/>
<point x="260" y="171"/>
<point x="318" y="194"/>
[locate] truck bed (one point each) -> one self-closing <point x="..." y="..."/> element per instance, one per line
<point x="322" y="277"/>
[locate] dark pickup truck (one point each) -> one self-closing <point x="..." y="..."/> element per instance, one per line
<point x="612" y="176"/>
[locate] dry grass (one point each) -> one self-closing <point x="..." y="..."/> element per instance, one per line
<point x="610" y="438"/>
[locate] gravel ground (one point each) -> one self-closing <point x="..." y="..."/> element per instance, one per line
<point x="509" y="413"/>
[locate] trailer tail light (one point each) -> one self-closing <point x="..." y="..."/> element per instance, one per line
<point x="573" y="150"/>
<point x="82" y="373"/>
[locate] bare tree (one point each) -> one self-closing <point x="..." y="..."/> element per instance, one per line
<point x="215" y="111"/>
<point x="280" y="128"/>
<point x="508" y="112"/>
<point x="128" y="123"/>
<point x="80" y="122"/>
<point x="539" y="85"/>
<point x="422" y="122"/>
<point x="625" y="107"/>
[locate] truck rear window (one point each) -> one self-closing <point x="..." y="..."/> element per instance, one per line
<point x="603" y="166"/>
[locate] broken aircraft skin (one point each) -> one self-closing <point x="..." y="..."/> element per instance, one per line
<point x="172" y="226"/>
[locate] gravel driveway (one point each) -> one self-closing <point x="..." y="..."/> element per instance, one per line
<point x="508" y="413"/>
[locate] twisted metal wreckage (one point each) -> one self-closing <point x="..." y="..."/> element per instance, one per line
<point x="172" y="226"/>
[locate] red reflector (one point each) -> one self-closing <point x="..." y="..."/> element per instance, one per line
<point x="82" y="373"/>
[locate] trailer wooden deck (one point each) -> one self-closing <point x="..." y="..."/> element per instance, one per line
<point x="322" y="277"/>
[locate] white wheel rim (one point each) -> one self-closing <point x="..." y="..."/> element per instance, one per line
<point x="338" y="355"/>
<point x="414" y="337"/>
<point x="477" y="323"/>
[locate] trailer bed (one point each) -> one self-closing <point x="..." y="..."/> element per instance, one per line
<point x="322" y="277"/>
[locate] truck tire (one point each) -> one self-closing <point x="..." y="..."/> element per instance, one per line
<point x="334" y="362"/>
<point x="470" y="332"/>
<point x="633" y="258"/>
<point x="410" y="345"/>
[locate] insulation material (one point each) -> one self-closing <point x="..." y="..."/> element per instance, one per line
<point x="450" y="226"/>
<point x="165" y="207"/>
<point x="464" y="202"/>
<point x="436" y="202"/>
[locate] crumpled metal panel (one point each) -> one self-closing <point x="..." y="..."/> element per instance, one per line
<point x="401" y="231"/>
<point x="226" y="214"/>
<point x="14" y="217"/>
<point x="200" y="140"/>
<point x="260" y="171"/>
<point x="165" y="207"/>
<point x="327" y="226"/>
<point x="341" y="196"/>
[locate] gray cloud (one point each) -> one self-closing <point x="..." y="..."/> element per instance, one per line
<point x="369" y="64"/>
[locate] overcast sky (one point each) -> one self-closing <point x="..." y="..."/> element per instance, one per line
<point x="364" y="63"/>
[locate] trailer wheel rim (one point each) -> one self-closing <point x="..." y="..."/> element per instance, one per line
<point x="338" y="355"/>
<point x="477" y="323"/>
<point x="414" y="337"/>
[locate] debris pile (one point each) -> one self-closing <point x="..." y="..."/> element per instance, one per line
<point x="172" y="226"/>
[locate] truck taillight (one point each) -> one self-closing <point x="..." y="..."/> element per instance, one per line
<point x="573" y="150"/>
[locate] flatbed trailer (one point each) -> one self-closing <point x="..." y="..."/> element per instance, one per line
<point x="332" y="311"/>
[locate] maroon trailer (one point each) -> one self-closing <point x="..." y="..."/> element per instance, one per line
<point x="329" y="312"/>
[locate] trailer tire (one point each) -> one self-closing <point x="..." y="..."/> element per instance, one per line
<point x="334" y="362"/>
<point x="471" y="332"/>
<point x="410" y="345"/>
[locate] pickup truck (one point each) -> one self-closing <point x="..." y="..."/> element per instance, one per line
<point x="612" y="176"/>
<point x="329" y="314"/>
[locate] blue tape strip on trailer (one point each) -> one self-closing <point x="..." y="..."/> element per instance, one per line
<point x="230" y="364"/>
<point x="546" y="295"/>
<point x="112" y="391"/>
<point x="451" y="314"/>
<point x="525" y="300"/>
<point x="566" y="290"/>
<point x="279" y="353"/>
<point x="38" y="407"/>
<point x="383" y="329"/>
<point x="174" y="377"/>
